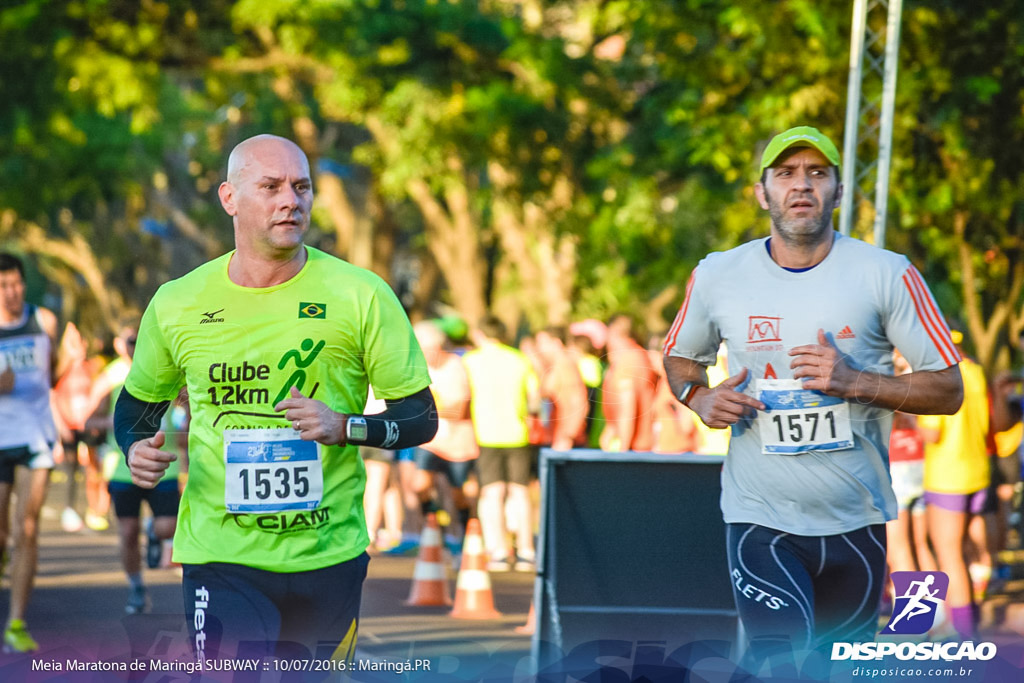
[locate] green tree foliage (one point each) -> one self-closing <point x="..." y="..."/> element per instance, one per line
<point x="705" y="85"/>
<point x="89" y="116"/>
<point x="545" y="159"/>
<point x="957" y="178"/>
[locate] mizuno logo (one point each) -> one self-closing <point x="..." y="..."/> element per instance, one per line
<point x="211" y="317"/>
<point x="846" y="333"/>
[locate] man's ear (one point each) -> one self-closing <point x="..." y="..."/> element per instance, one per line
<point x="762" y="198"/>
<point x="226" y="192"/>
<point x="839" y="197"/>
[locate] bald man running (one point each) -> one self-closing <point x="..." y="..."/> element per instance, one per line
<point x="277" y="343"/>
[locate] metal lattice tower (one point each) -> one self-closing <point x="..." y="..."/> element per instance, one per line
<point x="871" y="94"/>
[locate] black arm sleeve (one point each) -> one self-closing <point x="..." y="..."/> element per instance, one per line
<point x="406" y="422"/>
<point x="135" y="420"/>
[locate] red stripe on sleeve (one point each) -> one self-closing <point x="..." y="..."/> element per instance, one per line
<point x="673" y="333"/>
<point x="930" y="317"/>
<point x="944" y="334"/>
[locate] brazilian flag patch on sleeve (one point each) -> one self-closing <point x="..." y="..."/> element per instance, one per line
<point x="311" y="310"/>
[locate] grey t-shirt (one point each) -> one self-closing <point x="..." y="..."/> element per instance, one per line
<point x="867" y="301"/>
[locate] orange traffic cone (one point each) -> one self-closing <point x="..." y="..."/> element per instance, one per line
<point x="429" y="578"/>
<point x="473" y="596"/>
<point x="530" y="626"/>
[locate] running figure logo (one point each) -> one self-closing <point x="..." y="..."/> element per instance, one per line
<point x="917" y="595"/>
<point x="258" y="452"/>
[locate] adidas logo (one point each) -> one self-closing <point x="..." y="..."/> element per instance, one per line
<point x="846" y="333"/>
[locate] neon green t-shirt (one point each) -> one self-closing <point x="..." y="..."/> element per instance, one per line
<point x="500" y="379"/>
<point x="590" y="370"/>
<point x="258" y="495"/>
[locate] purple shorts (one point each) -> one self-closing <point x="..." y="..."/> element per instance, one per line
<point x="973" y="503"/>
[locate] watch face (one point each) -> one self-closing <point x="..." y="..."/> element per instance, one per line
<point x="356" y="429"/>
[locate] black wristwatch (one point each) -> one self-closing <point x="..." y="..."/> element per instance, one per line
<point x="355" y="429"/>
<point x="687" y="392"/>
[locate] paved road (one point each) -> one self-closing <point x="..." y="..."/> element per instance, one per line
<point x="77" y="613"/>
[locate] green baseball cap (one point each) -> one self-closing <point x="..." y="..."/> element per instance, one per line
<point x="454" y="327"/>
<point x="801" y="136"/>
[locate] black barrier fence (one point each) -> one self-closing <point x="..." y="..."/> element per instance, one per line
<point x="631" y="548"/>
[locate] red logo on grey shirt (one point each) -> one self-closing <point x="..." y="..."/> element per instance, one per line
<point x="763" y="329"/>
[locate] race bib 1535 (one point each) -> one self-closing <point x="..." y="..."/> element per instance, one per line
<point x="271" y="470"/>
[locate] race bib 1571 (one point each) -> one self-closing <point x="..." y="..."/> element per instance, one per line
<point x="799" y="420"/>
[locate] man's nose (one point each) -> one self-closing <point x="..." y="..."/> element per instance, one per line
<point x="289" y="197"/>
<point x="803" y="179"/>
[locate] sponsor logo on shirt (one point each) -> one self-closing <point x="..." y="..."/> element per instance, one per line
<point x="237" y="389"/>
<point x="233" y="385"/>
<point x="211" y="317"/>
<point x="311" y="310"/>
<point x="763" y="329"/>
<point x="286" y="522"/>
<point x="298" y="377"/>
<point x="846" y="333"/>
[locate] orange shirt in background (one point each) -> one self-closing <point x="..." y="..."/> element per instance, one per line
<point x="73" y="395"/>
<point x="564" y="387"/>
<point x="674" y="428"/>
<point x="628" y="397"/>
<point x="455" y="440"/>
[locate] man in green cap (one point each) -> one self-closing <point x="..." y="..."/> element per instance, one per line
<point x="810" y="319"/>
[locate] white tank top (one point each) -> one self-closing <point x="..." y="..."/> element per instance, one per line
<point x="25" y="417"/>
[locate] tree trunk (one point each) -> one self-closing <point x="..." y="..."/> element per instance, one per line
<point x="545" y="262"/>
<point x="984" y="333"/>
<point x="653" y="318"/>
<point x="330" y="191"/>
<point x="424" y="288"/>
<point x="453" y="240"/>
<point x="75" y="252"/>
<point x="453" y="232"/>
